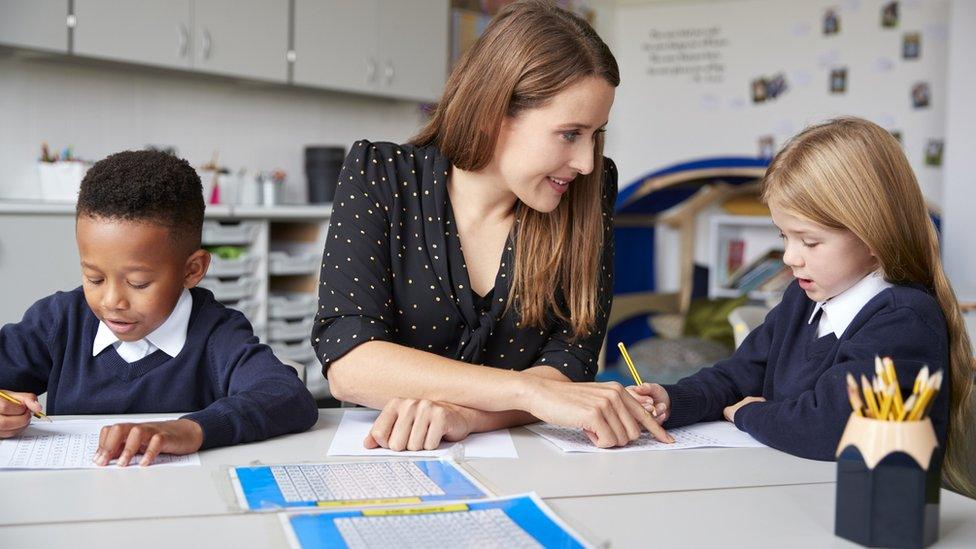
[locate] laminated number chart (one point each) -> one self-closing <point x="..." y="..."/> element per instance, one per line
<point x="353" y="484"/>
<point x="713" y="434"/>
<point x="518" y="522"/>
<point x="69" y="444"/>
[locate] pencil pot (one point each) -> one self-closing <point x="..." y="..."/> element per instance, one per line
<point x="888" y="481"/>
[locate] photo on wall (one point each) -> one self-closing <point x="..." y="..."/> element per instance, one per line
<point x="920" y="95"/>
<point x="911" y="45"/>
<point x="838" y="80"/>
<point x="933" y="152"/>
<point x="889" y="15"/>
<point x="767" y="146"/>
<point x="767" y="89"/>
<point x="831" y="22"/>
<point x="897" y="135"/>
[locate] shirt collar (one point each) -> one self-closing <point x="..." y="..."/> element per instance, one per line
<point x="169" y="337"/>
<point x="841" y="309"/>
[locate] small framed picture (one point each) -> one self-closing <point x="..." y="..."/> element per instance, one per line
<point x="838" y="80"/>
<point x="896" y="134"/>
<point x="921" y="95"/>
<point x="889" y="15"/>
<point x="933" y="152"/>
<point x="767" y="146"/>
<point x="831" y="22"/>
<point x="911" y="45"/>
<point x="759" y="90"/>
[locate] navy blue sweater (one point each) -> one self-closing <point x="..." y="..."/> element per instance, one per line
<point x="233" y="386"/>
<point x="803" y="378"/>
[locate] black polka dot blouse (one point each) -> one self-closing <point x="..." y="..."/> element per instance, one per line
<point x="393" y="271"/>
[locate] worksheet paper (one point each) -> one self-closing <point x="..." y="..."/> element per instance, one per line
<point x="70" y="444"/>
<point x="355" y="425"/>
<point x="353" y="484"/>
<point x="517" y="521"/>
<point x="700" y="435"/>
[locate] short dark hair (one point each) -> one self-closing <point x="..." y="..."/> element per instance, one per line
<point x="150" y="186"/>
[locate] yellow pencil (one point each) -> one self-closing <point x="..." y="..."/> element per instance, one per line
<point x="38" y="415"/>
<point x="920" y="380"/>
<point x="893" y="380"/>
<point x="869" y="397"/>
<point x="886" y="405"/>
<point x="633" y="370"/>
<point x="928" y="395"/>
<point x="908" y="407"/>
<point x="879" y="369"/>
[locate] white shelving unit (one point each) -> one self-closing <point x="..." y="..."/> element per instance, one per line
<point x="759" y="235"/>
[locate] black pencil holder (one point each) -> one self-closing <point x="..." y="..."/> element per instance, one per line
<point x="888" y="482"/>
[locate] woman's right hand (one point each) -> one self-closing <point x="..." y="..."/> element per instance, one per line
<point x="14" y="418"/>
<point x="606" y="412"/>
<point x="654" y="398"/>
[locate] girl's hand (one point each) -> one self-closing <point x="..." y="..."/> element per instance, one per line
<point x="654" y="398"/>
<point x="125" y="440"/>
<point x="606" y="412"/>
<point x="14" y="418"/>
<point x="729" y="411"/>
<point x="410" y="424"/>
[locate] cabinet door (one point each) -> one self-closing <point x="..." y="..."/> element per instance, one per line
<point x="37" y="24"/>
<point x="247" y="38"/>
<point x="335" y="44"/>
<point x="413" y="48"/>
<point x="152" y="32"/>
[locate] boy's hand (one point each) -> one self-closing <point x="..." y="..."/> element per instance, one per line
<point x="410" y="424"/>
<point x="14" y="418"/>
<point x="730" y="411"/>
<point x="125" y="440"/>
<point x="654" y="398"/>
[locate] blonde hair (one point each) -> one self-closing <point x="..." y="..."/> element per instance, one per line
<point x="851" y="174"/>
<point x="531" y="51"/>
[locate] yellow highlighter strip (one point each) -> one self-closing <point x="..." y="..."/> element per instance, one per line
<point x="38" y="415"/>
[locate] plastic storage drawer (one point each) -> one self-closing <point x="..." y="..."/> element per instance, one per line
<point x="292" y="305"/>
<point x="244" y="232"/>
<point x="285" y="330"/>
<point x="284" y="263"/>
<point x="231" y="290"/>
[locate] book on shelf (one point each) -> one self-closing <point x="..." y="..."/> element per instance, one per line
<point x="731" y="255"/>
<point x="760" y="273"/>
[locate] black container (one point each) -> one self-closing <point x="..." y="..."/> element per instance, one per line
<point x="322" y="166"/>
<point x="895" y="503"/>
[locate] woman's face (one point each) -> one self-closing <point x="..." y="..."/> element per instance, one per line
<point x="541" y="151"/>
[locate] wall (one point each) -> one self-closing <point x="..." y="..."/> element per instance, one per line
<point x="99" y="108"/>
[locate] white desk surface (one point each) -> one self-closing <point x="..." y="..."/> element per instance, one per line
<point x="104" y="494"/>
<point x="773" y="516"/>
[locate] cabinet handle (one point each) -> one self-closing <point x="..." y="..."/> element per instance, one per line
<point x="184" y="39"/>
<point x="207" y="44"/>
<point x="389" y="73"/>
<point x="370" y="71"/>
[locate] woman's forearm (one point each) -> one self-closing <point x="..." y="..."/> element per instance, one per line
<point x="377" y="371"/>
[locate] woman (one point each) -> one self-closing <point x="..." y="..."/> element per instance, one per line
<point x="467" y="276"/>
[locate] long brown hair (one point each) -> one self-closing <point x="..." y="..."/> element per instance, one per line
<point x="852" y="174"/>
<point x="530" y="52"/>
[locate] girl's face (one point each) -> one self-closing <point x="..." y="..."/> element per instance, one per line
<point x="541" y="151"/>
<point x="824" y="260"/>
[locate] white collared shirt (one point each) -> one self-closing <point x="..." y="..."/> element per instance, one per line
<point x="840" y="310"/>
<point x="169" y="337"/>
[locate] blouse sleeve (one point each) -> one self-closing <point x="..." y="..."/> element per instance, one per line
<point x="577" y="359"/>
<point x="355" y="299"/>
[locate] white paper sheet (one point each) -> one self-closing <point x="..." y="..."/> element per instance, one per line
<point x="355" y="425"/>
<point x="70" y="444"/>
<point x="700" y="435"/>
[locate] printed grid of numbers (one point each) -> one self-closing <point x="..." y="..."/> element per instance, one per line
<point x="483" y="528"/>
<point x="343" y="481"/>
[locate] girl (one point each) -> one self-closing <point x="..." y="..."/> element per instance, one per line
<point x="869" y="282"/>
<point x="468" y="275"/>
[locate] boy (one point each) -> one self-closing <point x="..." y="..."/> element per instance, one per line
<point x="138" y="336"/>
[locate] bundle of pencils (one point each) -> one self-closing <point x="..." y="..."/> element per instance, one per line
<point x="881" y="398"/>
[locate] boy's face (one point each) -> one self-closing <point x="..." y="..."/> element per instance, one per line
<point x="133" y="273"/>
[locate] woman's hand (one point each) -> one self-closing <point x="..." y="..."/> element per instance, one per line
<point x="654" y="398"/>
<point x="606" y="412"/>
<point x="411" y="424"/>
<point x="125" y="440"/>
<point x="730" y="411"/>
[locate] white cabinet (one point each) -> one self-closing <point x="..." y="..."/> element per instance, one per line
<point x="150" y="32"/>
<point x="389" y="48"/>
<point x="246" y="38"/>
<point x="34" y="24"/>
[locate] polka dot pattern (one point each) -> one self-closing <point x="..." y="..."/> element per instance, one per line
<point x="393" y="270"/>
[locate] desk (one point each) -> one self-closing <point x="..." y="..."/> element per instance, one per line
<point x="755" y="496"/>
<point x="771" y="516"/>
<point x="88" y="495"/>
